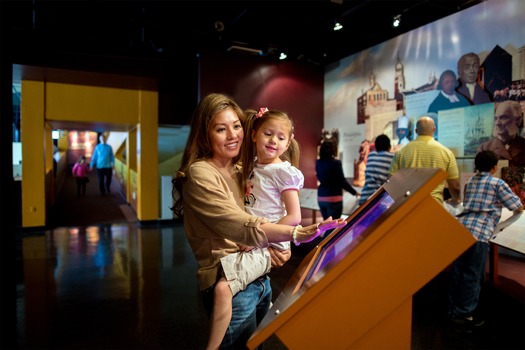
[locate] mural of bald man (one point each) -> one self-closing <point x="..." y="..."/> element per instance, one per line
<point x="506" y="141"/>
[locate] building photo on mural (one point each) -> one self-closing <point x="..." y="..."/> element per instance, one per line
<point x="466" y="72"/>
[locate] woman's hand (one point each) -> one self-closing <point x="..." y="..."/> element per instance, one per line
<point x="309" y="233"/>
<point x="279" y="257"/>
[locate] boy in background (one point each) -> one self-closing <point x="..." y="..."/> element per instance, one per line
<point x="485" y="196"/>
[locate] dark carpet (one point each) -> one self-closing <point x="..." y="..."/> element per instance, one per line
<point x="93" y="208"/>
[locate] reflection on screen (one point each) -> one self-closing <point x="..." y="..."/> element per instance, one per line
<point x="350" y="235"/>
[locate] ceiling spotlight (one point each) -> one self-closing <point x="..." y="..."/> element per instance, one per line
<point x="282" y="56"/>
<point x="338" y="26"/>
<point x="397" y="21"/>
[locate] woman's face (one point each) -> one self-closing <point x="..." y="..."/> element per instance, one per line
<point x="225" y="135"/>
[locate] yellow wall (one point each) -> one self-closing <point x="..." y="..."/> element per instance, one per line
<point x="147" y="157"/>
<point x="33" y="158"/>
<point x="128" y="107"/>
<point x="50" y="176"/>
<point x="121" y="174"/>
<point x="63" y="141"/>
<point x="131" y="152"/>
<point x="133" y="187"/>
<point x="91" y="103"/>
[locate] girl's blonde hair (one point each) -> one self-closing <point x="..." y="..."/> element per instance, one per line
<point x="198" y="146"/>
<point x="254" y="120"/>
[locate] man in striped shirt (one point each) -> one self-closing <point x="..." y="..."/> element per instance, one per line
<point x="426" y="152"/>
<point x="485" y="195"/>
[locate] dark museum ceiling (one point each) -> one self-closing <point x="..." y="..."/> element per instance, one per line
<point x="166" y="31"/>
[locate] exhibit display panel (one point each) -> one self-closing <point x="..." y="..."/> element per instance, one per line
<point x="354" y="290"/>
<point x="349" y="236"/>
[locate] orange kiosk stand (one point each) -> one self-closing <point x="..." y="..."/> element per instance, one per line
<point x="354" y="290"/>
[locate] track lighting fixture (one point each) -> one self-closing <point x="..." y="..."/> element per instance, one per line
<point x="338" y="26"/>
<point x="245" y="49"/>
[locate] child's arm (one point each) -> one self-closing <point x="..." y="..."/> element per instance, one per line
<point x="293" y="208"/>
<point x="282" y="252"/>
<point x="508" y="198"/>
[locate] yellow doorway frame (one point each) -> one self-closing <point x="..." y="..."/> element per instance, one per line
<point x="56" y="96"/>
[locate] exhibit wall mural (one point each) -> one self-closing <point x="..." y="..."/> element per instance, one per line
<point x="457" y="70"/>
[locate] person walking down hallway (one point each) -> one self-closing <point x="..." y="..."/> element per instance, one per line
<point x="103" y="160"/>
<point x="80" y="171"/>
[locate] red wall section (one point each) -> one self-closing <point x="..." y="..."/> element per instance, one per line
<point x="255" y="81"/>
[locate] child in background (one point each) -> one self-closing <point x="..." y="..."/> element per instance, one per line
<point x="485" y="196"/>
<point x="272" y="182"/>
<point x="80" y="171"/>
<point x="377" y="167"/>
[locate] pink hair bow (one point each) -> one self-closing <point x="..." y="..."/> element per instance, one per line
<point x="262" y="110"/>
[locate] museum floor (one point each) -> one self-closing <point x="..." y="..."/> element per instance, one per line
<point x="99" y="280"/>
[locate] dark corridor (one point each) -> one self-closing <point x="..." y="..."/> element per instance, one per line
<point x="93" y="208"/>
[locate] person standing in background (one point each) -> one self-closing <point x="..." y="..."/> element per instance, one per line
<point x="468" y="70"/>
<point x="485" y="196"/>
<point x="425" y="152"/>
<point x="332" y="181"/>
<point x="80" y="171"/>
<point x="377" y="167"/>
<point x="103" y="160"/>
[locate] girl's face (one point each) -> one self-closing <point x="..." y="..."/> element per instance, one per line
<point x="225" y="135"/>
<point x="271" y="140"/>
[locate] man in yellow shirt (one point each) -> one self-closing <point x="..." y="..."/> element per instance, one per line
<point x="425" y="152"/>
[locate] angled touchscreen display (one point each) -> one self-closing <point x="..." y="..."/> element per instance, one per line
<point x="350" y="235"/>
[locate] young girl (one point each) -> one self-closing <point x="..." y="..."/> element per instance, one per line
<point x="272" y="182"/>
<point x="80" y="171"/>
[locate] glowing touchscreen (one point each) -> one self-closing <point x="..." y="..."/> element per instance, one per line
<point x="350" y="235"/>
